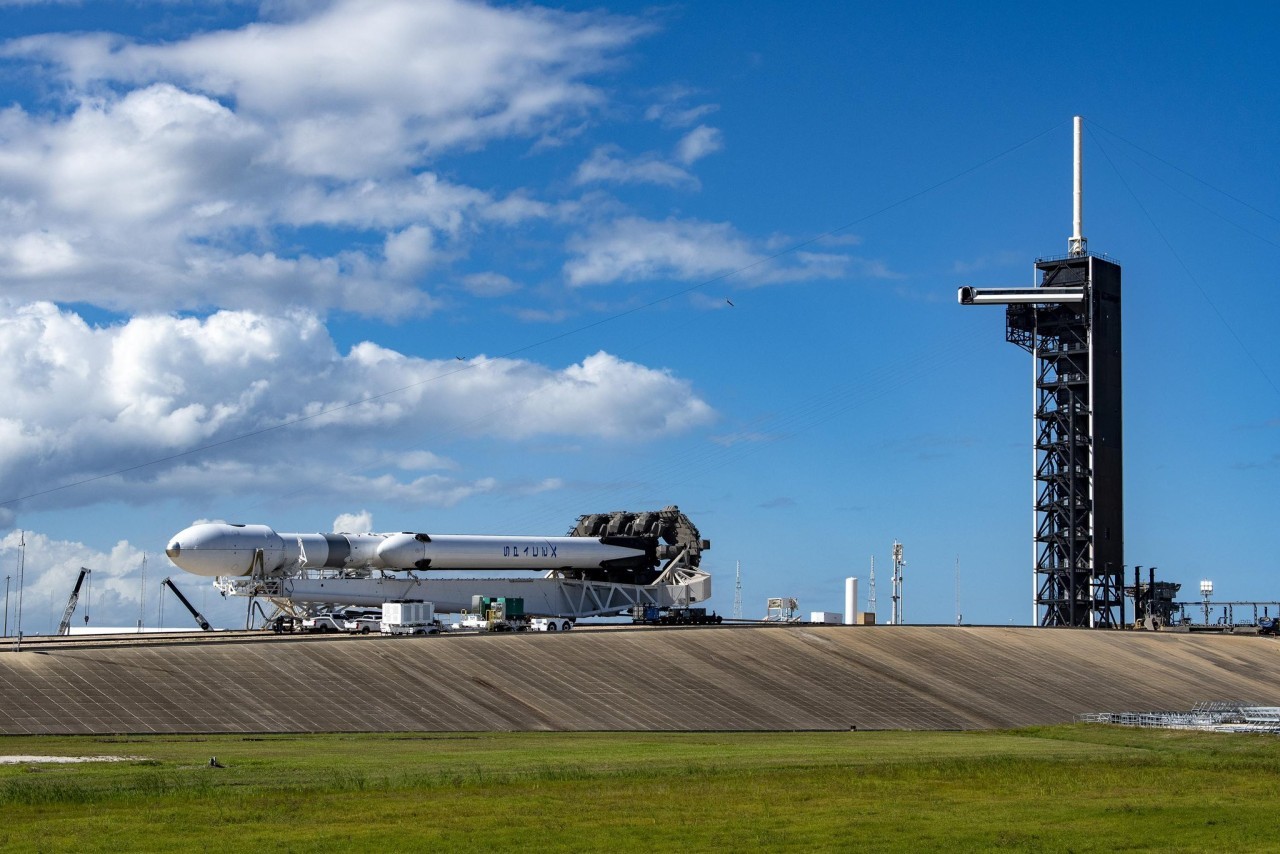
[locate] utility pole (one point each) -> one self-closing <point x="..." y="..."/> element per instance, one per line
<point x="22" y="564"/>
<point x="142" y="594"/>
<point x="6" y="604"/>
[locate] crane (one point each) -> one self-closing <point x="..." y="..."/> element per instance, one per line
<point x="204" y="624"/>
<point x="64" y="627"/>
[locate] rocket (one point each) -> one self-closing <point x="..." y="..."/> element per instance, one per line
<point x="222" y="549"/>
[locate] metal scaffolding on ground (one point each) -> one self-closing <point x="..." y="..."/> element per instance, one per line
<point x="1217" y="716"/>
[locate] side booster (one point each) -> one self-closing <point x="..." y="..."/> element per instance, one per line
<point x="221" y="549"/>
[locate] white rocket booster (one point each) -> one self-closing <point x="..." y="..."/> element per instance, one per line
<point x="221" y="549"/>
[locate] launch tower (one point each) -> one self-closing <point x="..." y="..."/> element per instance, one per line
<point x="1070" y="323"/>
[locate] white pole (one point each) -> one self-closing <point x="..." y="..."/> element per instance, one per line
<point x="959" y="616"/>
<point x="142" y="594"/>
<point x="1076" y="246"/>
<point x="22" y="567"/>
<point x="850" y="601"/>
<point x="1035" y="462"/>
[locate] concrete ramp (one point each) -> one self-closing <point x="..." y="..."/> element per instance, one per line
<point x="715" y="678"/>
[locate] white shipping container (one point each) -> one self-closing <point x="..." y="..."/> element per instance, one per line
<point x="408" y="612"/>
<point x="408" y="617"/>
<point x="825" y="617"/>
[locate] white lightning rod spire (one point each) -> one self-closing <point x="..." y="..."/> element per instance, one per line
<point x="1077" y="245"/>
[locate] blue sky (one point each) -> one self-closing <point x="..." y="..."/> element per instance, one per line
<point x="622" y="256"/>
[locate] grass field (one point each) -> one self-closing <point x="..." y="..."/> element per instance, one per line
<point x="1070" y="788"/>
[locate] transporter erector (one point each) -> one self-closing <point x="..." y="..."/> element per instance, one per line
<point x="608" y="563"/>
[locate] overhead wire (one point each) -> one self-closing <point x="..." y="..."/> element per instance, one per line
<point x="1196" y="201"/>
<point x="1276" y="219"/>
<point x="671" y="295"/>
<point x="768" y="430"/>
<point x="1191" y="277"/>
<point x="691" y="469"/>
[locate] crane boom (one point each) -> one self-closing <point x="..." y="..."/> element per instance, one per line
<point x="203" y="623"/>
<point x="64" y="627"/>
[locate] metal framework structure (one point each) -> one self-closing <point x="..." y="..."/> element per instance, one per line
<point x="554" y="594"/>
<point x="896" y="617"/>
<point x="737" y="591"/>
<point x="782" y="609"/>
<point x="1210" y="716"/>
<point x="675" y="581"/>
<point x="64" y="626"/>
<point x="1070" y="323"/>
<point x="1079" y="560"/>
<point x="871" y="587"/>
<point x="1223" y="614"/>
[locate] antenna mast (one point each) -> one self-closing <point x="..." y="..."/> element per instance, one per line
<point x="898" y="564"/>
<point x="737" y="592"/>
<point x="871" y="589"/>
<point x="1077" y="245"/>
<point x="959" y="616"/>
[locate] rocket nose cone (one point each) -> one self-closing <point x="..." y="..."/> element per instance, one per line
<point x="189" y="549"/>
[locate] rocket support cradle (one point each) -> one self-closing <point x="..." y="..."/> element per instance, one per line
<point x="608" y="564"/>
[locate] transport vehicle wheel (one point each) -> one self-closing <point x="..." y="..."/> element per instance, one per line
<point x="364" y="630"/>
<point x="551" y="625"/>
<point x="567" y="625"/>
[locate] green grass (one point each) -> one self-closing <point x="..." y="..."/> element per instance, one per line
<point x="1071" y="788"/>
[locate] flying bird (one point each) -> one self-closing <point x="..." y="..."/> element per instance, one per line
<point x="726" y="299"/>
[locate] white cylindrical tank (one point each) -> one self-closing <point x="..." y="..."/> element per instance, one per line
<point x="850" y="601"/>
<point x="474" y="552"/>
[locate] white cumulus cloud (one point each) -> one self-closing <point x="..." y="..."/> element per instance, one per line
<point x="698" y="143"/>
<point x="607" y="165"/>
<point x="671" y="110"/>
<point x="361" y="85"/>
<point x="122" y="588"/>
<point x="284" y="163"/>
<point x="354" y="523"/>
<point x="83" y="401"/>
<point x="632" y="249"/>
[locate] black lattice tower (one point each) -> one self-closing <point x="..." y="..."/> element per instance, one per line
<point x="1070" y="323"/>
<point x="1079" y="479"/>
